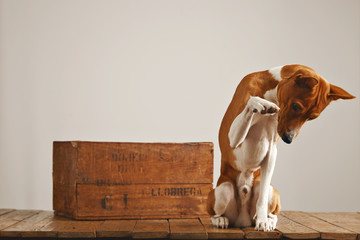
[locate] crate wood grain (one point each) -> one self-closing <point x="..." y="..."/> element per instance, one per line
<point x="109" y="176"/>
<point x="132" y="163"/>
<point x="291" y="225"/>
<point x="142" y="201"/>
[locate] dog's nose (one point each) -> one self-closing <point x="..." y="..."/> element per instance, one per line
<point x="287" y="138"/>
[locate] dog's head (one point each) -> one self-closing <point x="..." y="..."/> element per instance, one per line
<point x="303" y="95"/>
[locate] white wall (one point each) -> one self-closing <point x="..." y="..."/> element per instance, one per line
<point x="166" y="71"/>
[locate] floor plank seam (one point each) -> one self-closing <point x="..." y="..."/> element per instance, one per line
<point x="132" y="231"/>
<point x="318" y="225"/>
<point x="331" y="223"/>
<point x="18" y="221"/>
<point x="300" y="223"/>
<point x="168" y="227"/>
<point x="10" y="211"/>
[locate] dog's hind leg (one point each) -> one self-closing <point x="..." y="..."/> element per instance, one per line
<point x="222" y="205"/>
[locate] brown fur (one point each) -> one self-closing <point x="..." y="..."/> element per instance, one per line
<point x="255" y="84"/>
<point x="299" y="84"/>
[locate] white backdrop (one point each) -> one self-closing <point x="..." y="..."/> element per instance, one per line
<point x="165" y="71"/>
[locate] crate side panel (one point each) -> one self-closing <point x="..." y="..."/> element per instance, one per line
<point x="134" y="163"/>
<point x="142" y="201"/>
<point x="64" y="178"/>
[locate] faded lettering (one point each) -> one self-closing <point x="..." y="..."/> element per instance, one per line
<point x="127" y="157"/>
<point x="176" y="191"/>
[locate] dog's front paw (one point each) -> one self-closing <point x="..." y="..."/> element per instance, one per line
<point x="262" y="225"/>
<point x="266" y="224"/>
<point x="272" y="221"/>
<point x="220" y="222"/>
<point x="262" y="106"/>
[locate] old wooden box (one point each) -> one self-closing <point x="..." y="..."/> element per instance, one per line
<point x="108" y="180"/>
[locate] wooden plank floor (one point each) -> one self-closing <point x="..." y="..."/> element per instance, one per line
<point x="291" y="225"/>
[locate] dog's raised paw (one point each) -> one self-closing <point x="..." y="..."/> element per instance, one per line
<point x="262" y="106"/>
<point x="220" y="222"/>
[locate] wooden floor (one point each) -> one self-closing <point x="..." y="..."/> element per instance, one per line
<point x="293" y="225"/>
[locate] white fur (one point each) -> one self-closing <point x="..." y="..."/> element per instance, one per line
<point x="253" y="135"/>
<point x="272" y="219"/>
<point x="244" y="184"/>
<point x="271" y="95"/>
<point x="276" y="73"/>
<point x="242" y="123"/>
<point x="225" y="206"/>
<point x="220" y="221"/>
<point x="223" y="195"/>
<point x="255" y="132"/>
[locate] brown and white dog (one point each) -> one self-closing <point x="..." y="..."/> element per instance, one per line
<point x="266" y="106"/>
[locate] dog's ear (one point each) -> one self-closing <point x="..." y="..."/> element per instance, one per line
<point x="305" y="80"/>
<point x="338" y="93"/>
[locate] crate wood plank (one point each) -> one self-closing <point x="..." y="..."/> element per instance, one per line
<point x="14" y="217"/>
<point x="327" y="230"/>
<point x="294" y="230"/>
<point x="27" y="225"/>
<point x="142" y="201"/>
<point x="4" y="211"/>
<point x="218" y="233"/>
<point x="132" y="163"/>
<point x="64" y="178"/>
<point x="147" y="229"/>
<point x="187" y="229"/>
<point x="251" y="233"/>
<point x="347" y="220"/>
<point x="116" y="228"/>
<point x="67" y="228"/>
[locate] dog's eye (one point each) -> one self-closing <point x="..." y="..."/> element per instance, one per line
<point x="296" y="107"/>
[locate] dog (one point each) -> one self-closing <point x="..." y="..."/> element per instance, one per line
<point x="266" y="106"/>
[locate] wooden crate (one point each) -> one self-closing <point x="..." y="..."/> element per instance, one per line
<point x="107" y="180"/>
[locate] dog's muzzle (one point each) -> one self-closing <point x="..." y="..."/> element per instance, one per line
<point x="287" y="138"/>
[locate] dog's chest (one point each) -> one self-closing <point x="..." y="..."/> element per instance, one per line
<point x="255" y="147"/>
